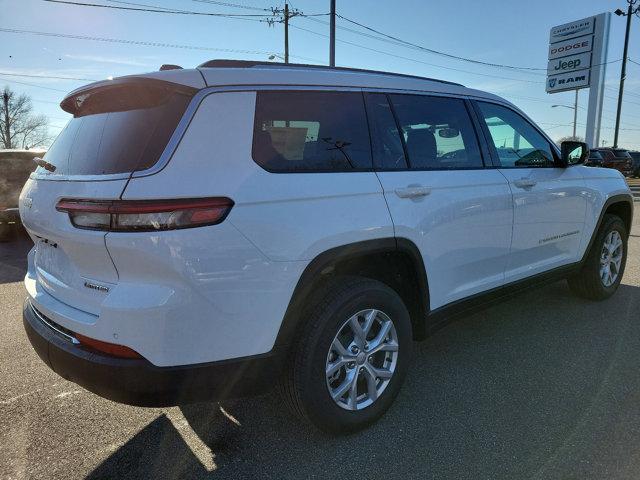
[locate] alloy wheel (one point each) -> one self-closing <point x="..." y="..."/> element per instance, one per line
<point x="362" y="359"/>
<point x="611" y="258"/>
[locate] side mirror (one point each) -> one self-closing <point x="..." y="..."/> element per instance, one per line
<point x="573" y="153"/>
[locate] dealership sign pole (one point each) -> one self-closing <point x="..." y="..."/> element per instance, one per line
<point x="577" y="59"/>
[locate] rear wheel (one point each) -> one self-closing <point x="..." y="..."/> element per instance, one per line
<point x="605" y="263"/>
<point x="352" y="356"/>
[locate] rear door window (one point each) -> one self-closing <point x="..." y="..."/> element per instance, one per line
<point x="311" y="131"/>
<point x="437" y="131"/>
<point x="117" y="130"/>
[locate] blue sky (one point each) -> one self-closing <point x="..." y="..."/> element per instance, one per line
<point x="506" y="32"/>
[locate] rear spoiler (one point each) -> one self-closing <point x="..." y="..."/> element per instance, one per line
<point x="122" y="94"/>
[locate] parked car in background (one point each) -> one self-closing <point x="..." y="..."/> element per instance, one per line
<point x="617" y="158"/>
<point x="15" y="168"/>
<point x="635" y="156"/>
<point x="594" y="159"/>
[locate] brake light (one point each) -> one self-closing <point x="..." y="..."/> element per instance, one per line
<point x="145" y="215"/>
<point x="108" y="348"/>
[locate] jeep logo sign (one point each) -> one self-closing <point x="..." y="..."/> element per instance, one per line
<point x="568" y="64"/>
<point x="568" y="81"/>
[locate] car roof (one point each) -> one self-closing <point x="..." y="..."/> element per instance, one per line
<point x="225" y="73"/>
<point x="234" y="72"/>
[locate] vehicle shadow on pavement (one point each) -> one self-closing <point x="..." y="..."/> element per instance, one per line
<point x="13" y="257"/>
<point x="544" y="385"/>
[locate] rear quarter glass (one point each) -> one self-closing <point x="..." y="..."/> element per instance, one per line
<point x="121" y="130"/>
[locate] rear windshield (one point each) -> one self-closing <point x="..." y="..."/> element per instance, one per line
<point x="117" y="130"/>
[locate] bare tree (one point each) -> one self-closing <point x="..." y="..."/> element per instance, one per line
<point x="569" y="138"/>
<point x="19" y="126"/>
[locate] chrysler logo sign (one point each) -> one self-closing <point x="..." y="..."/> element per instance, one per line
<point x="572" y="30"/>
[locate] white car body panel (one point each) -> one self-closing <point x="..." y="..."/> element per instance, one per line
<point x="65" y="257"/>
<point x="462" y="228"/>
<point x="548" y="221"/>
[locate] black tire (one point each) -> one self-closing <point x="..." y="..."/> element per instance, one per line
<point x="588" y="283"/>
<point x="304" y="384"/>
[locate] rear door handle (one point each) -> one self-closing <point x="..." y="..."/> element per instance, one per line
<point x="525" y="183"/>
<point x="413" y="191"/>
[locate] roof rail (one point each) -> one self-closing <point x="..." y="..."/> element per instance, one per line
<point x="223" y="63"/>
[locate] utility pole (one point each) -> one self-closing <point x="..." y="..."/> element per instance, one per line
<point x="623" y="70"/>
<point x="286" y="32"/>
<point x="332" y="35"/>
<point x="277" y="18"/>
<point x="7" y="130"/>
<point x="575" y="114"/>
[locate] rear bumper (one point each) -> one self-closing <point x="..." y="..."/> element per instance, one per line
<point x="138" y="382"/>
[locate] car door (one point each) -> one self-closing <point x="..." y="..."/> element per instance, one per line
<point x="458" y="213"/>
<point x="549" y="201"/>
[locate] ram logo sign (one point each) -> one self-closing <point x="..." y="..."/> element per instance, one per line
<point x="568" y="81"/>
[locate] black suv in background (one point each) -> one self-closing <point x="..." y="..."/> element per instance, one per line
<point x="616" y="158"/>
<point x="15" y="168"/>
<point x="594" y="160"/>
<point x="635" y="156"/>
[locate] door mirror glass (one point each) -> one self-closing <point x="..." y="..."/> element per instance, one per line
<point x="573" y="153"/>
<point x="448" y="132"/>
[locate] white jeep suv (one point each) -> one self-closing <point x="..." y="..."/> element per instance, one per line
<point x="213" y="232"/>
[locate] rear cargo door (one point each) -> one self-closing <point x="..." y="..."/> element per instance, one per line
<point x="118" y="128"/>
<point x="71" y="264"/>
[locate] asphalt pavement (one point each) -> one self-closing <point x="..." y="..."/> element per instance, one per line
<point x="543" y="386"/>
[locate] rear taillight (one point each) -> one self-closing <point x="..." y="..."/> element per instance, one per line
<point x="108" y="348"/>
<point x="145" y="215"/>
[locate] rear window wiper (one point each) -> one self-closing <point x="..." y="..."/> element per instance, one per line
<point x="44" y="164"/>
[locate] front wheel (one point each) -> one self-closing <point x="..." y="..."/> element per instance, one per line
<point x="605" y="263"/>
<point x="352" y="356"/>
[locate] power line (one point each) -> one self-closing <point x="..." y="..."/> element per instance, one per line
<point x="44" y="101"/>
<point x="437" y="52"/>
<point x="142" y="5"/>
<point x="135" y="42"/>
<point x="159" y="10"/>
<point x="47" y="76"/>
<point x="227" y="4"/>
<point x="35" y="85"/>
<point x="416" y="60"/>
